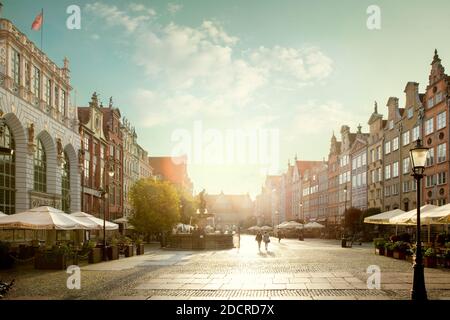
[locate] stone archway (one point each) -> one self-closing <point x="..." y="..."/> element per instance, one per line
<point x="21" y="152"/>
<point x="53" y="169"/>
<point x="75" y="197"/>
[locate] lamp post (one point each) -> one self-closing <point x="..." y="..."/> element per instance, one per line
<point x="345" y="205"/>
<point x="418" y="156"/>
<point x="301" y="212"/>
<point x="104" y="194"/>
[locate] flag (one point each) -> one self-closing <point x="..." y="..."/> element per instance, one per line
<point x="37" y="23"/>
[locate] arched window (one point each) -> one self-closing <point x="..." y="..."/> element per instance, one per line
<point x="40" y="168"/>
<point x="65" y="184"/>
<point x="7" y="172"/>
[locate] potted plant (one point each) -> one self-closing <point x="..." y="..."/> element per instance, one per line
<point x="140" y="248"/>
<point x="400" y="249"/>
<point x="430" y="258"/>
<point x="55" y="258"/>
<point x="113" y="250"/>
<point x="95" y="253"/>
<point x="389" y="249"/>
<point x="379" y="244"/>
<point x="6" y="261"/>
<point x="128" y="247"/>
<point x="447" y="259"/>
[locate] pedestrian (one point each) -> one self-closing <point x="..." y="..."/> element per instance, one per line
<point x="266" y="240"/>
<point x="259" y="239"/>
<point x="280" y="235"/>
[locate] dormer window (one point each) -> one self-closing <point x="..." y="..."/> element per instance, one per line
<point x="391" y="124"/>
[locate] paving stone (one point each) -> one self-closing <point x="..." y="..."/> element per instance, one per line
<point x="300" y="280"/>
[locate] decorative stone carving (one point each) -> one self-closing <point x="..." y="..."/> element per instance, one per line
<point x="31" y="143"/>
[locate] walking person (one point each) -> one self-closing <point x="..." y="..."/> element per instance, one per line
<point x="280" y="236"/>
<point x="259" y="239"/>
<point x="266" y="239"/>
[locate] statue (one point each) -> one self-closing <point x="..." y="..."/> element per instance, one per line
<point x="202" y="205"/>
<point x="59" y="147"/>
<point x="31" y="133"/>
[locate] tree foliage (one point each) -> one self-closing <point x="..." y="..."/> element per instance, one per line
<point x="156" y="206"/>
<point x="188" y="205"/>
<point x="353" y="219"/>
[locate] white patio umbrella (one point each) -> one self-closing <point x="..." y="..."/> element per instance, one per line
<point x="2" y="214"/>
<point x="439" y="215"/>
<point x="96" y="223"/>
<point x="406" y="218"/>
<point x="41" y="218"/>
<point x="290" y="225"/>
<point x="313" y="225"/>
<point x="254" y="228"/>
<point x="383" y="218"/>
<point x="266" y="228"/>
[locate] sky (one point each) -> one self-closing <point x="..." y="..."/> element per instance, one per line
<point x="240" y="87"/>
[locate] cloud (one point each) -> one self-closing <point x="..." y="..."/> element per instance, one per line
<point x="135" y="7"/>
<point x="113" y="16"/>
<point x="174" y="7"/>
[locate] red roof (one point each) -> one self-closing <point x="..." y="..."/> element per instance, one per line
<point x="173" y="169"/>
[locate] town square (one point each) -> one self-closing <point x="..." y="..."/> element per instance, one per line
<point x="154" y="150"/>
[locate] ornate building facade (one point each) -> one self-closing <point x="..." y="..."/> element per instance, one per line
<point x="38" y="128"/>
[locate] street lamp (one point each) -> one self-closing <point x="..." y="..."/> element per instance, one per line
<point x="104" y="194"/>
<point x="301" y="212"/>
<point x="418" y="156"/>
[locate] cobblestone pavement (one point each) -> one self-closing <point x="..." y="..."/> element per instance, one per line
<point x="292" y="269"/>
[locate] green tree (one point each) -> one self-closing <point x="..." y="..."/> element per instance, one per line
<point x="156" y="206"/>
<point x="352" y="220"/>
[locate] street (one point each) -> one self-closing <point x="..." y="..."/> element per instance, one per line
<point x="292" y="269"/>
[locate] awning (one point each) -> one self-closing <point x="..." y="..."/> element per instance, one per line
<point x="439" y="215"/>
<point x="96" y="223"/>
<point x="406" y="218"/>
<point x="313" y="225"/>
<point x="383" y="218"/>
<point x="41" y="218"/>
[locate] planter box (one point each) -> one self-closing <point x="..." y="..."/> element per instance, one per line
<point x="95" y="255"/>
<point x="129" y="250"/>
<point x="140" y="249"/>
<point x="50" y="260"/>
<point x="446" y="263"/>
<point x="389" y="253"/>
<point x="380" y="251"/>
<point x="399" y="255"/>
<point x="113" y="252"/>
<point x="430" y="262"/>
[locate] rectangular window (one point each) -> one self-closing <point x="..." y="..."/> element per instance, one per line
<point x="438" y="98"/>
<point x="364" y="178"/>
<point x="354" y="181"/>
<point x="387" y="147"/>
<point x="410" y="112"/>
<point x="36" y="82"/>
<point x="372" y="155"/>
<point x="405" y="186"/>
<point x="358" y="162"/>
<point x="15" y="64"/>
<point x="395" y="169"/>
<point x="429" y="126"/>
<point x="406" y="165"/>
<point x="440" y="119"/>
<point x="430" y="181"/>
<point x="57" y="105"/>
<point x="391" y="124"/>
<point x="48" y="91"/>
<point x="387" y="191"/>
<point x="62" y="104"/>
<point x="364" y="159"/>
<point x="394" y="189"/>
<point x="430" y="102"/>
<point x="358" y="180"/>
<point x="378" y="193"/>
<point x="395" y="144"/>
<point x="380" y="174"/>
<point x="379" y="155"/>
<point x="413" y="183"/>
<point x="430" y="157"/>
<point x="415" y="133"/>
<point x="387" y="172"/>
<point x="441" y="152"/>
<point x="442" y="178"/>
<point x="354" y="163"/>
<point x="373" y="176"/>
<point x="405" y="138"/>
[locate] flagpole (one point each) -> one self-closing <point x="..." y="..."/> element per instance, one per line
<point x="42" y="27"/>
